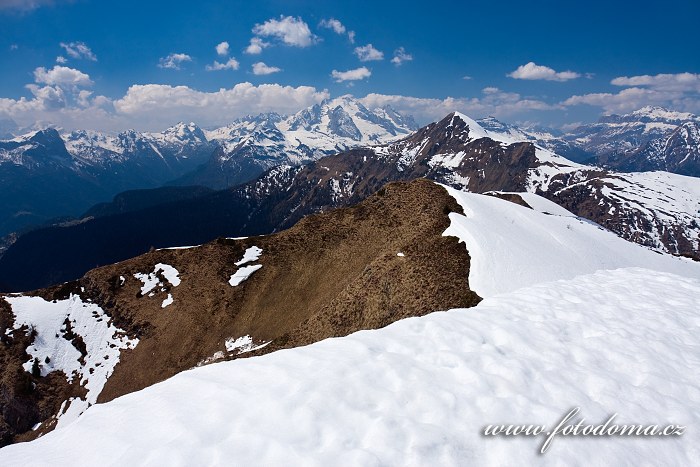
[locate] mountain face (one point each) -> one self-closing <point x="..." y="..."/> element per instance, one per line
<point x="129" y="325"/>
<point x="252" y="145"/>
<point x="46" y="174"/>
<point x="656" y="209"/>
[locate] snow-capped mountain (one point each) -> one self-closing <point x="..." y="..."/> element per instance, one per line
<point x="651" y="138"/>
<point x="677" y="152"/>
<point x="613" y="138"/>
<point x="47" y="174"/>
<point x="554" y="286"/>
<point x="252" y="145"/>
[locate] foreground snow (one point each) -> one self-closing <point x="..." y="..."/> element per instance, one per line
<point x="419" y="392"/>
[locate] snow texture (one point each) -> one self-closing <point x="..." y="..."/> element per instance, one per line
<point x="420" y="391"/>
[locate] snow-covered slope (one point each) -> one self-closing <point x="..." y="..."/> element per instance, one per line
<point x="421" y="391"/>
<point x="512" y="246"/>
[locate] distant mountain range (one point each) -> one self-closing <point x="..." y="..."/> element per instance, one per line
<point x="47" y="174"/>
<point x="659" y="210"/>
<point x="648" y="139"/>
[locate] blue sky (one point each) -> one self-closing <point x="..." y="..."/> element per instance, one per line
<point x="150" y="64"/>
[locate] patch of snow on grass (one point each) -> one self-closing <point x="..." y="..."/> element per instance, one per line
<point x="151" y="281"/>
<point x="242" y="274"/>
<point x="242" y="345"/>
<point x="168" y="301"/>
<point x="251" y="254"/>
<point x="54" y="352"/>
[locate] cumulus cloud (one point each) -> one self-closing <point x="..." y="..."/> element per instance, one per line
<point x="493" y="101"/>
<point x="351" y="75"/>
<point x="532" y="71"/>
<point x="173" y="61"/>
<point x="78" y="50"/>
<point x="338" y="27"/>
<point x="679" y="91"/>
<point x="333" y="24"/>
<point x="61" y="59"/>
<point x="400" y="56"/>
<point x="154" y="107"/>
<point x="222" y="48"/>
<point x="256" y="46"/>
<point x="231" y="64"/>
<point x="261" y="69"/>
<point x="164" y="104"/>
<point x="289" y="30"/>
<point x="368" y="53"/>
<point x="61" y="76"/>
<point x="683" y="82"/>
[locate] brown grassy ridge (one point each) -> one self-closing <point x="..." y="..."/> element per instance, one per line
<point x="329" y="275"/>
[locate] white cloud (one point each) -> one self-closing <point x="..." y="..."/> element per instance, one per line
<point x="256" y="46"/>
<point x="162" y="104"/>
<point x="492" y="102"/>
<point x="368" y="53"/>
<point x="61" y="59"/>
<point x="173" y="61"/>
<point x="261" y="69"/>
<point x="400" y="56"/>
<point x="222" y="48"/>
<point x="291" y="31"/>
<point x="61" y="76"/>
<point x="333" y="24"/>
<point x="351" y="36"/>
<point x="351" y="75"/>
<point x="466" y="77"/>
<point x="683" y="82"/>
<point x="231" y="64"/>
<point x="532" y="71"/>
<point x="679" y="91"/>
<point x="154" y="107"/>
<point x="78" y="50"/>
